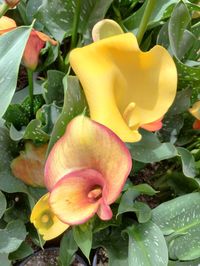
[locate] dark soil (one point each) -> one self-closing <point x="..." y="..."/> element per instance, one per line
<point x="47" y="257"/>
<point x="23" y="78"/>
<point x="147" y="175"/>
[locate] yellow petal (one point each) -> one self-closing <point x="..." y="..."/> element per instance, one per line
<point x="115" y="73"/>
<point x="105" y="28"/>
<point x="45" y="221"/>
<point x="6" y="24"/>
<point x="195" y="110"/>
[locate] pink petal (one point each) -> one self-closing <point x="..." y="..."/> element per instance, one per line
<point x="77" y="196"/>
<point x="87" y="144"/>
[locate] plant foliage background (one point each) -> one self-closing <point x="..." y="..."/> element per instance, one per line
<point x="158" y="217"/>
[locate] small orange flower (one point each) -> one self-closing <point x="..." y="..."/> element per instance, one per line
<point x="195" y="111"/>
<point x="29" y="165"/>
<point x="34" y="45"/>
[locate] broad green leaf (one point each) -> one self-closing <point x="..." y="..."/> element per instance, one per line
<point x="4" y="259"/>
<point x="19" y="115"/>
<point x="178" y="183"/>
<point x="116" y="246"/>
<point x="8" y="182"/>
<point x="68" y="247"/>
<point x="99" y="225"/>
<point x="34" y="131"/>
<point x="12" y="46"/>
<point x="3" y="204"/>
<point x="180" y="219"/>
<point x="159" y="12"/>
<point x="53" y="87"/>
<point x="127" y="204"/>
<point x="190" y="75"/>
<point x="147" y="245"/>
<point x="188" y="162"/>
<point x="19" y="210"/>
<point x="83" y="238"/>
<point x="31" y="8"/>
<point x="181" y="40"/>
<point x="74" y="104"/>
<point x="150" y="149"/>
<point x="12" y="236"/>
<point x="145" y="189"/>
<point x="60" y="23"/>
<point x="181" y="102"/>
<point x="22" y="252"/>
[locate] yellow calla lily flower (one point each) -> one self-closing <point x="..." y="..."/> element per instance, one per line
<point x="46" y="222"/>
<point x="125" y="87"/>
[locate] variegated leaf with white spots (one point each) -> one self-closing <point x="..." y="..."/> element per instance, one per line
<point x="147" y="246"/>
<point x="179" y="219"/>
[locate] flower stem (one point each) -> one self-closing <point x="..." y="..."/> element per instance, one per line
<point x="144" y="22"/>
<point x="30" y="83"/>
<point x="3" y="9"/>
<point x="75" y="24"/>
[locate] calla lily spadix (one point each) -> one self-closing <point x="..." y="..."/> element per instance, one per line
<point x="125" y="87"/>
<point x="84" y="173"/>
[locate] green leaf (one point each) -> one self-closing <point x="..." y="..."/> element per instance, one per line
<point x="74" y="104"/>
<point x="150" y="149"/>
<point x="22" y="252"/>
<point x="3" y="204"/>
<point x="4" y="259"/>
<point x="15" y="114"/>
<point x="31" y="8"/>
<point x="147" y="245"/>
<point x="83" y="238"/>
<point x="116" y="246"/>
<point x="178" y="183"/>
<point x="12" y="236"/>
<point x="8" y="182"/>
<point x="160" y="11"/>
<point x="68" y="248"/>
<point x="60" y="23"/>
<point x="145" y="189"/>
<point x="54" y="90"/>
<point x="34" y="131"/>
<point x="181" y="40"/>
<point x="127" y="204"/>
<point x="180" y="219"/>
<point x="19" y="208"/>
<point x="39" y="129"/>
<point x="188" y="162"/>
<point x="12" y="46"/>
<point x="181" y="102"/>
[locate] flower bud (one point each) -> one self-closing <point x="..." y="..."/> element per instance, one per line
<point x="12" y="3"/>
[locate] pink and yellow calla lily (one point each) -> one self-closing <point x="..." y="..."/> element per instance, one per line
<point x="84" y="173"/>
<point x="125" y="87"/>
